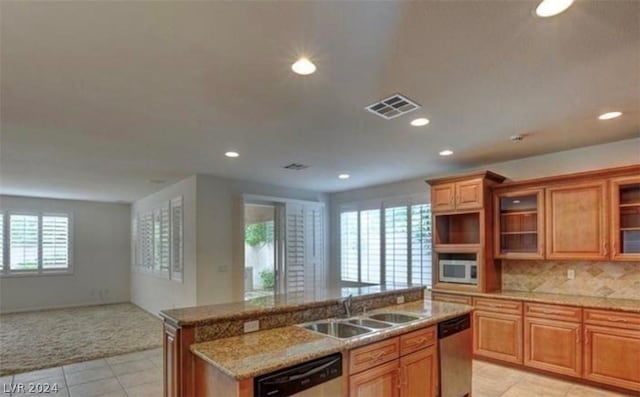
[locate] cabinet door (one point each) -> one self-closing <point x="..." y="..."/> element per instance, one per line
<point x="469" y="194"/>
<point x="377" y="381"/>
<point x="625" y="218"/>
<point x="498" y="336"/>
<point x="576" y="221"/>
<point x="418" y="373"/>
<point x="519" y="224"/>
<point x="553" y="345"/>
<point x="443" y="197"/>
<point x="612" y="356"/>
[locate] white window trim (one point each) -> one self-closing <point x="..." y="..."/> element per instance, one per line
<point x="40" y="272"/>
<point x="380" y="204"/>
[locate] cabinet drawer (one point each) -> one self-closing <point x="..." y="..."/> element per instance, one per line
<point x="498" y="305"/>
<point x="554" y="312"/>
<point x="612" y="319"/>
<point x="374" y="354"/>
<point x="465" y="300"/>
<point x="417" y="340"/>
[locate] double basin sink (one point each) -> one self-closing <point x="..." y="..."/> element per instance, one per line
<point x="351" y="327"/>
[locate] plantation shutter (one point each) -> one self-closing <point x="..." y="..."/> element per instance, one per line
<point x="294" y="248"/>
<point x="349" y="246"/>
<point x="370" y="246"/>
<point x="23" y="242"/>
<point x="396" y="235"/>
<point x="421" y="244"/>
<point x="314" y="246"/>
<point x="55" y="242"/>
<point x="176" y="239"/>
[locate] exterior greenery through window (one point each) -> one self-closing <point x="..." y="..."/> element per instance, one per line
<point x="34" y="242"/>
<point x="389" y="244"/>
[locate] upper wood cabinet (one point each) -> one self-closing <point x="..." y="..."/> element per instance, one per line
<point x="518" y="223"/>
<point x="461" y="193"/>
<point x="625" y="218"/>
<point x="576" y="221"/>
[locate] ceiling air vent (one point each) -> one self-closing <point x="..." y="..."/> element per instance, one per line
<point x="296" y="167"/>
<point x="393" y="106"/>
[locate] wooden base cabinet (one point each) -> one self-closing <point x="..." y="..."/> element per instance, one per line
<point x="553" y="345"/>
<point x="419" y="373"/>
<point x="498" y="336"/>
<point x="383" y="380"/>
<point x="405" y="366"/>
<point x="612" y="356"/>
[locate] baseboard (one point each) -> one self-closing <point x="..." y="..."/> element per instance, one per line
<point x="42" y="308"/>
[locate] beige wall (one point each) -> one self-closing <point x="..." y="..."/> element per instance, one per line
<point x="584" y="159"/>
<point x="154" y="293"/>
<point x="100" y="258"/>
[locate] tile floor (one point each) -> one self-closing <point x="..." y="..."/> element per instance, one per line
<point x="129" y="375"/>
<point x="140" y="375"/>
<point x="490" y="380"/>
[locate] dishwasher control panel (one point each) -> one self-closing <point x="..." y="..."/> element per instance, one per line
<point x="292" y="380"/>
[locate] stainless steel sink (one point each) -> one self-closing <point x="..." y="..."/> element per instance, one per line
<point x="395" y="318"/>
<point x="365" y="322"/>
<point x="337" y="329"/>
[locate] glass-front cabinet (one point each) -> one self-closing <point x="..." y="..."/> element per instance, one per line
<point x="519" y="224"/>
<point x="625" y="219"/>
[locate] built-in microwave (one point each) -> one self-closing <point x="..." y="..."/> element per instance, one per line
<point x="458" y="271"/>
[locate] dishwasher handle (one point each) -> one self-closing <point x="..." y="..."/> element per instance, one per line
<point x="308" y="373"/>
<point x="453" y="326"/>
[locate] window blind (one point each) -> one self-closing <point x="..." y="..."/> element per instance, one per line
<point x="176" y="239"/>
<point x="349" y="246"/>
<point x="55" y="242"/>
<point x="370" y="246"/>
<point x="421" y="244"/>
<point x="23" y="242"/>
<point x="396" y="245"/>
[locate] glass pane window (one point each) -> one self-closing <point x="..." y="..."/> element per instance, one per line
<point x="23" y="242"/>
<point x="55" y="242"/>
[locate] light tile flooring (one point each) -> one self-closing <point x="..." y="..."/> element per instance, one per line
<point x="129" y="375"/>
<point x="140" y="375"/>
<point x="490" y="380"/>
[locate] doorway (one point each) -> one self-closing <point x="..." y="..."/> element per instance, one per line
<point x="262" y="249"/>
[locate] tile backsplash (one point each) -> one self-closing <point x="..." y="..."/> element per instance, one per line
<point x="602" y="279"/>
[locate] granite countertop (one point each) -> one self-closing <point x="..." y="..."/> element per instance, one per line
<point x="292" y="301"/>
<point x="258" y="353"/>
<point x="593" y="302"/>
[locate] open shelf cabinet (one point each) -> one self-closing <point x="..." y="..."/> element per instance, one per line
<point x="518" y="224"/>
<point x="625" y="219"/>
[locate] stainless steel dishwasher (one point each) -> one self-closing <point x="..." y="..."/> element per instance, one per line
<point x="317" y="378"/>
<point x="455" y="343"/>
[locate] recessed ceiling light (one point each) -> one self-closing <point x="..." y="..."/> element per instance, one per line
<point x="420" y="122"/>
<point x="549" y="8"/>
<point x="303" y="66"/>
<point x="344" y="176"/>
<point x="232" y="154"/>
<point x="446" y="152"/>
<point x="609" y="115"/>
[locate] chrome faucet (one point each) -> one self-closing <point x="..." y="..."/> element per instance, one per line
<point x="346" y="303"/>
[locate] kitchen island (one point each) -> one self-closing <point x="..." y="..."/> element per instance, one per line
<point x="208" y="354"/>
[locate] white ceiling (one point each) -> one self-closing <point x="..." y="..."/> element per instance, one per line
<point x="100" y="97"/>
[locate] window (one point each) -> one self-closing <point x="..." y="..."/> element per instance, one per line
<point x="157" y="240"/>
<point x="386" y="245"/>
<point x="35" y="243"/>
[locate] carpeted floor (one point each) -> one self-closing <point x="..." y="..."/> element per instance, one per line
<point x="50" y="338"/>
